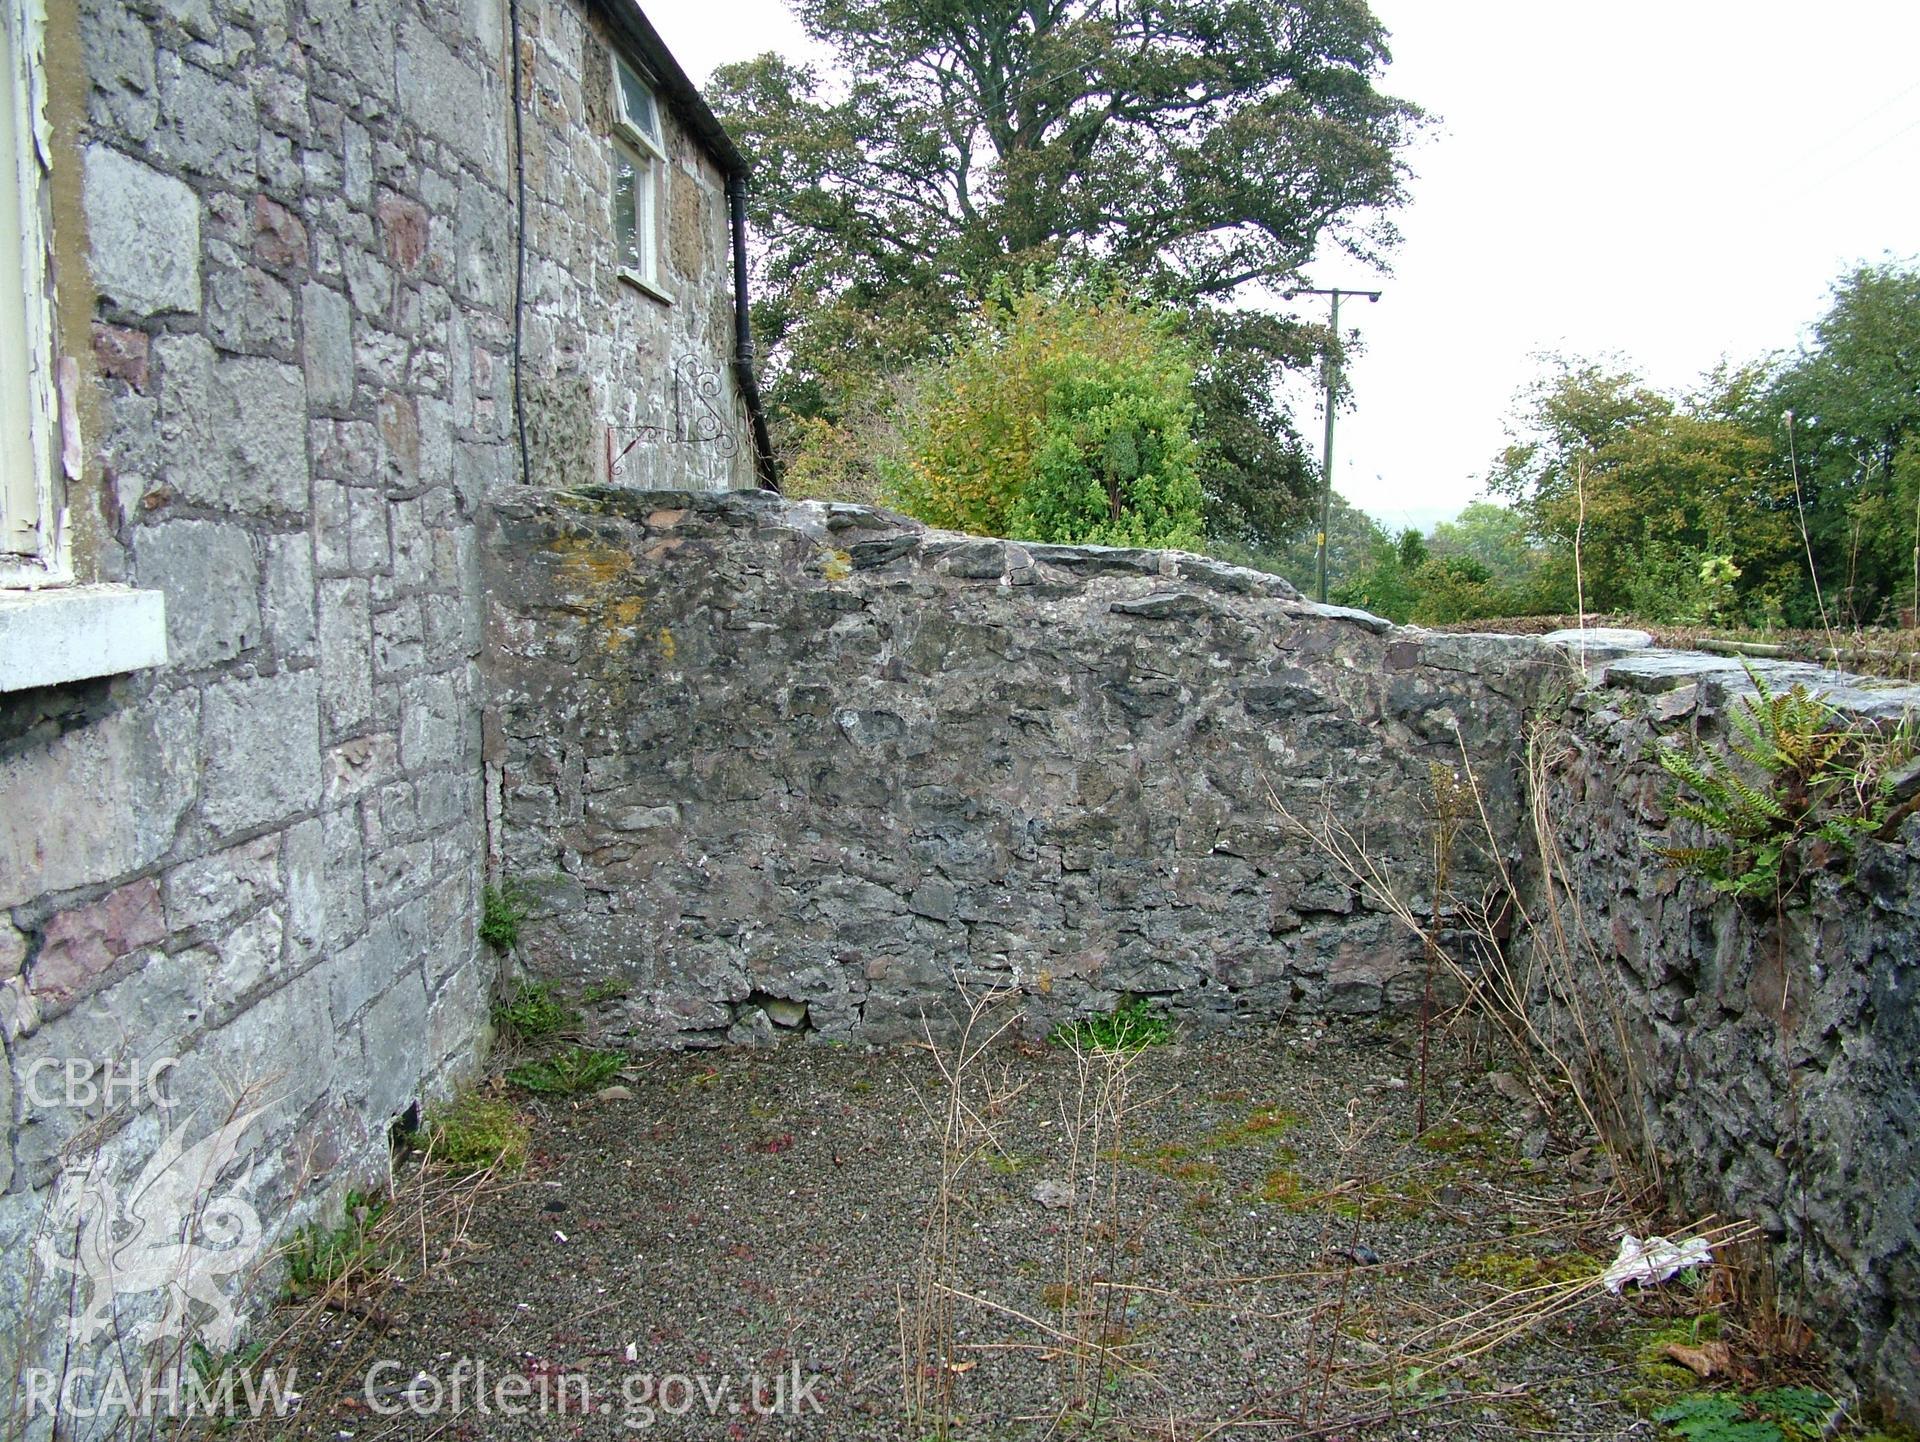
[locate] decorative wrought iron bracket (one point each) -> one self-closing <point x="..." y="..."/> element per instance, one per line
<point x="697" y="418"/>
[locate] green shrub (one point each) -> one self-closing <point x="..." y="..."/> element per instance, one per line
<point x="1062" y="419"/>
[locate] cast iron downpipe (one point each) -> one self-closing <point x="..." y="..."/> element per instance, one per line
<point x="763" y="462"/>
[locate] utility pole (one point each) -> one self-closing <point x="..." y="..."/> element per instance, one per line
<point x="1331" y="376"/>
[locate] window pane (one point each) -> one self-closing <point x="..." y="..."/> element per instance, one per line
<point x="637" y="102"/>
<point x="19" y="498"/>
<point x="626" y="210"/>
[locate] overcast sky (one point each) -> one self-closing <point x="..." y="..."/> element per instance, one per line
<point x="1675" y="181"/>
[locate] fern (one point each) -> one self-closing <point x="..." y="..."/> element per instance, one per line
<point x="1716" y="1418"/>
<point x="1782" y="1414"/>
<point x="1794" y="791"/>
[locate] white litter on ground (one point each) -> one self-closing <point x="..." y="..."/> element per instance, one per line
<point x="1654" y="1260"/>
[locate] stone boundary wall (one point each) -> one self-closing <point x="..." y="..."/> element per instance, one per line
<point x="802" y="766"/>
<point x="1779" y="1059"/>
<point x="806" y="768"/>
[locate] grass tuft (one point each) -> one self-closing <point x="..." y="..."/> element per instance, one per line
<point x="568" y="1073"/>
<point x="1131" y="1026"/>
<point x="532" y="1013"/>
<point x="501" y="912"/>
<point x="473" y="1133"/>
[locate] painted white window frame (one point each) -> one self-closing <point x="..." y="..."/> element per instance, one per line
<point x="51" y="631"/>
<point x="640" y="145"/>
<point x="33" y="541"/>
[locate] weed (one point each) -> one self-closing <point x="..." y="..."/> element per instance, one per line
<point x="567" y="1073"/>
<point x="1260" y="1125"/>
<point x="610" y="989"/>
<point x="1781" y="1414"/>
<point x="501" y="912"/>
<point x="1812" y="786"/>
<point x="473" y="1133"/>
<point x="1131" y="1026"/>
<point x="1282" y="1187"/>
<point x="532" y="1013"/>
<point x="1516" y="1270"/>
<point x="319" y="1256"/>
<point x="217" y="1372"/>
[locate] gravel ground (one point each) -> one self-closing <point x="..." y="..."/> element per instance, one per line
<point x="1280" y="1250"/>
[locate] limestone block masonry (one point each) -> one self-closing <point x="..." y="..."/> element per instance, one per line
<point x="288" y="265"/>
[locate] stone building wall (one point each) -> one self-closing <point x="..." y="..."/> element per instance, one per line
<point x="285" y="239"/>
<point x="749" y="757"/>
<point x="1776" y="1057"/>
<point x="285" y="291"/>
<point x="606" y="359"/>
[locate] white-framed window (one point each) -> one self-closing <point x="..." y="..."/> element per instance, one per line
<point x="31" y="552"/>
<point x="639" y="179"/>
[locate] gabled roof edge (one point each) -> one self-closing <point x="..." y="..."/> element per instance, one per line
<point x="631" y="24"/>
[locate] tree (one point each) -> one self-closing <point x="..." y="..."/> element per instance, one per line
<point x="1200" y="147"/>
<point x="1060" y="419"/>
<point x="1649" y="486"/>
<point x="1854" y="396"/>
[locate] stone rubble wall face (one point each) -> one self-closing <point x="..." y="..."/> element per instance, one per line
<point x="744" y="752"/>
<point x="598" y="350"/>
<point x="1778" y="1062"/>
<point x="805" y="767"/>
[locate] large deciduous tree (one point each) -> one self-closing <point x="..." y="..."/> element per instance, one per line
<point x="1204" y="148"/>
<point x="1649" y="487"/>
<point x="1854" y="394"/>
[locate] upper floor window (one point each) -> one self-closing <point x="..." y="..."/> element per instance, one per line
<point x="30" y="552"/>
<point x="639" y="178"/>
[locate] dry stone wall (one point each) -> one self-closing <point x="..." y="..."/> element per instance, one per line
<point x="774" y="765"/>
<point x="1778" y="1055"/>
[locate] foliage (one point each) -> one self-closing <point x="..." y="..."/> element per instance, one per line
<point x="501" y="912"/>
<point x="1797" y="792"/>
<point x="319" y="1256"/>
<point x="1602" y="459"/>
<point x="1061" y="419"/>
<point x="568" y="1073"/>
<point x="1688" y="506"/>
<point x="1854" y="395"/>
<point x="1260" y="486"/>
<point x="531" y="1013"/>
<point x="1779" y="1414"/>
<point x="1203" y="142"/>
<point x="1198" y="148"/>
<point x="1131" y="1026"/>
<point x="475" y="1133"/>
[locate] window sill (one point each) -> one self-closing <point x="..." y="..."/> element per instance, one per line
<point x="633" y="278"/>
<point x="75" y="633"/>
